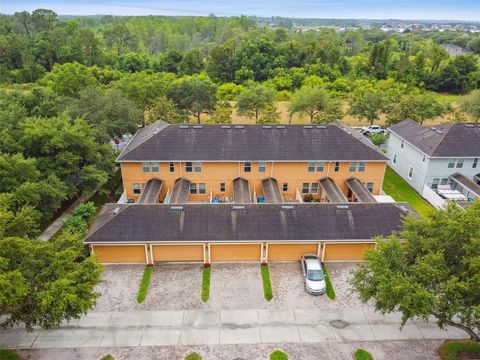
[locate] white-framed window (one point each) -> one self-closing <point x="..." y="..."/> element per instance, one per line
<point x="424" y="158"/>
<point x="305" y="188"/>
<point x="410" y="172"/>
<point x="172" y="166"/>
<point x="337" y="166"/>
<point x="320" y="166"/>
<point x="155" y="166"/>
<point x="247" y="166"/>
<point x="459" y="163"/>
<point x="311" y="166"/>
<point x="451" y="163"/>
<point x="314" y="188"/>
<point x="198" y="166"/>
<point x="193" y="188"/>
<point x="262" y="165"/>
<point x="444" y="181"/>
<point x="435" y="182"/>
<point x="222" y="187"/>
<point x="402" y="145"/>
<point x="202" y="188"/>
<point x="188" y="166"/>
<point x="361" y="166"/>
<point x="136" y="188"/>
<point x="370" y="187"/>
<point x="146" y="166"/>
<point x="285" y="187"/>
<point x="394" y="160"/>
<point x="475" y="163"/>
<point x="353" y="166"/>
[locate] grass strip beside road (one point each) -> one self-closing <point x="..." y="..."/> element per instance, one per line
<point x="267" y="285"/>
<point x="399" y="190"/>
<point x="142" y="292"/>
<point x="328" y="282"/>
<point x="206" y="283"/>
<point x="450" y="349"/>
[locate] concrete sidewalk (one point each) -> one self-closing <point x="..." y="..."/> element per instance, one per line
<point x="254" y="326"/>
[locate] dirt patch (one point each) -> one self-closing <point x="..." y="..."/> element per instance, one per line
<point x="467" y="355"/>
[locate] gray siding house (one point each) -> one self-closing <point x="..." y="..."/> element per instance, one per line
<point x="431" y="155"/>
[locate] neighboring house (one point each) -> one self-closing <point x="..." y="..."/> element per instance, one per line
<point x="209" y="233"/>
<point x="430" y="156"/>
<point x="455" y="50"/>
<point x="248" y="163"/>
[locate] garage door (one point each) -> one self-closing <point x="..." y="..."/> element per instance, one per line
<point x="235" y="252"/>
<point x="345" y="251"/>
<point x="120" y="254"/>
<point x="178" y="252"/>
<point x="286" y="252"/>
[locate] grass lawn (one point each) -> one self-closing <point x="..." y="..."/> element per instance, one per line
<point x="328" y="282"/>
<point x="278" y="355"/>
<point x="142" y="292"/>
<point x="361" y="354"/>
<point x="206" y="283"/>
<point x="267" y="285"/>
<point x="450" y="348"/>
<point x="9" y="355"/>
<point x="399" y="189"/>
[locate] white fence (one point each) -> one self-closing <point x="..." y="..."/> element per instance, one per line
<point x="433" y="198"/>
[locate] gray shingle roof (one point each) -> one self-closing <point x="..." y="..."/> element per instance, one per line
<point x="249" y="142"/>
<point x="462" y="179"/>
<point x="458" y="139"/>
<point x="222" y="222"/>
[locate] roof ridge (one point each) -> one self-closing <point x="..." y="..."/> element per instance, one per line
<point x="444" y="135"/>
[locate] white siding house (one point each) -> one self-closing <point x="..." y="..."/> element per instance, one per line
<point x="431" y="155"/>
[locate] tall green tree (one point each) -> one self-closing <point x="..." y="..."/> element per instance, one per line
<point x="69" y="79"/>
<point x="435" y="272"/>
<point x="418" y="107"/>
<point x="254" y="101"/>
<point x="194" y="94"/>
<point x="471" y="105"/>
<point x="367" y="104"/>
<point x="315" y="102"/>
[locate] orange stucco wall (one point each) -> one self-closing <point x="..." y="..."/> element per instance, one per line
<point x="288" y="252"/>
<point x="214" y="173"/>
<point x="345" y="251"/>
<point x="177" y="252"/>
<point x="235" y="252"/>
<point x="120" y="254"/>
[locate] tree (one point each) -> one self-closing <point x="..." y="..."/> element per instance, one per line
<point x="222" y="113"/>
<point x="191" y="63"/>
<point x="133" y="62"/>
<point x="379" y="59"/>
<point x="418" y="107"/>
<point x="471" y="105"/>
<point x="366" y="104"/>
<point x="269" y="116"/>
<point x="458" y="76"/>
<point x="436" y="272"/>
<point x="15" y="170"/>
<point x="44" y="284"/>
<point x="69" y="79"/>
<point x="312" y="101"/>
<point x="164" y="109"/>
<point x="195" y="94"/>
<point x="220" y="66"/>
<point x="253" y="101"/>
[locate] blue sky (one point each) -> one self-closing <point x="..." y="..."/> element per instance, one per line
<point x="371" y="9"/>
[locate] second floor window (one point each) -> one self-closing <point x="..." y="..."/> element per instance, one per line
<point x="361" y="166"/>
<point x="353" y="166"/>
<point x="320" y="166"/>
<point x="188" y="166"/>
<point x="262" y="166"/>
<point x="394" y="159"/>
<point x="198" y="166"/>
<point x="337" y="166"/>
<point x="155" y="166"/>
<point x="172" y="166"/>
<point x="285" y="187"/>
<point x="460" y="163"/>
<point x="146" y="166"/>
<point x="311" y="166"/>
<point x="475" y="163"/>
<point x="247" y="166"/>
<point x="136" y="188"/>
<point x="451" y="163"/>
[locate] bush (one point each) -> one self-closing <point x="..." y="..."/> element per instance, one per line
<point x="142" y="292"/>
<point x="361" y="354"/>
<point x="267" y="285"/>
<point x="108" y="357"/>
<point x="378" y="139"/>
<point x="278" y="355"/>
<point x="9" y="355"/>
<point x="330" y="291"/>
<point x="193" y="356"/>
